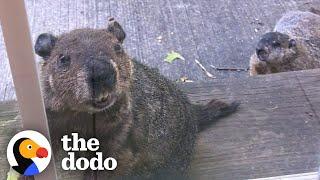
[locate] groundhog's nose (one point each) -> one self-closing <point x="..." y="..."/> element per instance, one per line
<point x="262" y="54"/>
<point x="103" y="78"/>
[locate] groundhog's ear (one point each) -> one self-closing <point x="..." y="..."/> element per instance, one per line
<point x="115" y="28"/>
<point x="44" y="44"/>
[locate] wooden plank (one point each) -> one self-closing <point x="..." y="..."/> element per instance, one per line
<point x="311" y="92"/>
<point x="17" y="37"/>
<point x="6" y="85"/>
<point x="9" y="126"/>
<point x="275" y="132"/>
<point x="220" y="33"/>
<point x="168" y="30"/>
<point x="303" y="176"/>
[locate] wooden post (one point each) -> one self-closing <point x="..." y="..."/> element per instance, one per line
<point x="15" y="28"/>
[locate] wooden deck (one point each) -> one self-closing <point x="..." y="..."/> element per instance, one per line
<point x="221" y="33"/>
<point x="276" y="131"/>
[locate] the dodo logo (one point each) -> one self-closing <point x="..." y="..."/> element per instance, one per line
<point x="29" y="153"/>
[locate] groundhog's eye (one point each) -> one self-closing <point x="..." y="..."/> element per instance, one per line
<point x="262" y="54"/>
<point x="276" y="44"/>
<point x="292" y="43"/>
<point x="63" y="61"/>
<point x="117" y="48"/>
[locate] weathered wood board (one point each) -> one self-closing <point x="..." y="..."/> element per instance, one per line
<point x="275" y="132"/>
<point x="222" y="33"/>
<point x="302" y="176"/>
<point x="9" y="125"/>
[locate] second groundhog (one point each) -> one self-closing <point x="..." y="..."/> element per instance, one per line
<point x="294" y="45"/>
<point x="91" y="86"/>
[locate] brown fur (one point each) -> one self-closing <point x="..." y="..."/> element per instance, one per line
<point x="294" y="45"/>
<point x="146" y="123"/>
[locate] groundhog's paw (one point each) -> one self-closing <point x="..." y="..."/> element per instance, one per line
<point x="215" y="110"/>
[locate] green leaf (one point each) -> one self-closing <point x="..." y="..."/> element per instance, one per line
<point x="172" y="56"/>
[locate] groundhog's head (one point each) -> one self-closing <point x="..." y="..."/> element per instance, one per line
<point x="85" y="69"/>
<point x="274" y="51"/>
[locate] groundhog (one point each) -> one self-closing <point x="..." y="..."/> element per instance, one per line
<point x="294" y="45"/>
<point x="91" y="86"/>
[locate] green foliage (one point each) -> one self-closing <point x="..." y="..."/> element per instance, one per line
<point x="172" y="56"/>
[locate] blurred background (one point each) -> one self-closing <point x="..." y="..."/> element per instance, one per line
<point x="220" y="33"/>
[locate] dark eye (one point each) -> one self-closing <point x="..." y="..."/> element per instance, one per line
<point x="292" y="43"/>
<point x="63" y="61"/>
<point x="276" y="44"/>
<point x="29" y="147"/>
<point x="118" y="48"/>
<point x="262" y="54"/>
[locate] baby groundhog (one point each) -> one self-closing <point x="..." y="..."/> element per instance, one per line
<point x="294" y="45"/>
<point x="92" y="87"/>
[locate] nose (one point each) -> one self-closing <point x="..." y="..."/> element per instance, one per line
<point x="103" y="77"/>
<point x="262" y="54"/>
